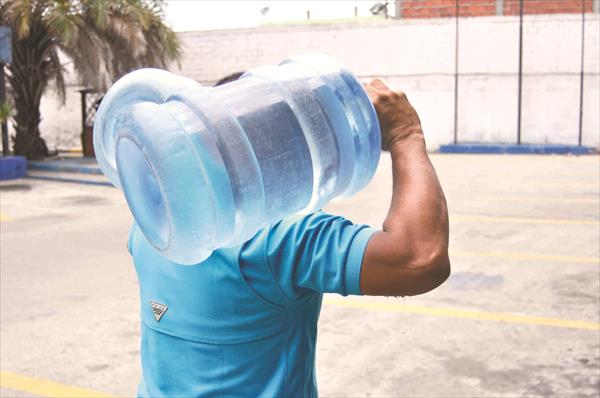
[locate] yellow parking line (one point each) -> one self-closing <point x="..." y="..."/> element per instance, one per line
<point x="520" y="220"/>
<point x="46" y="388"/>
<point x="4" y="217"/>
<point x="526" y="256"/>
<point x="71" y="150"/>
<point x="463" y="314"/>
<point x="578" y="174"/>
<point x="538" y="199"/>
<point x="560" y="184"/>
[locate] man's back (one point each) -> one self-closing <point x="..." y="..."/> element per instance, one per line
<point x="244" y="322"/>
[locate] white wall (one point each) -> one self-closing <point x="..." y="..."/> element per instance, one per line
<point x="417" y="56"/>
<point x="61" y="124"/>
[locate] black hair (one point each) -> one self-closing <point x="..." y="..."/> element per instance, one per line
<point x="229" y="78"/>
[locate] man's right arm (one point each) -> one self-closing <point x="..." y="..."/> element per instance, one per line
<point x="410" y="255"/>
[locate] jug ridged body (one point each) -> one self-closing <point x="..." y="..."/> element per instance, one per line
<point x="203" y="168"/>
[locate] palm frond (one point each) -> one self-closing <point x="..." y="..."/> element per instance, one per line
<point x="63" y="21"/>
<point x="56" y="70"/>
<point x="97" y="10"/>
<point x="104" y="39"/>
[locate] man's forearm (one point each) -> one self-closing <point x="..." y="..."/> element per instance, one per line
<point x="418" y="210"/>
<point x="410" y="255"/>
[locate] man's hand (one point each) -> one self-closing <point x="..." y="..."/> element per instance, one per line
<point x="410" y="255"/>
<point x="397" y="118"/>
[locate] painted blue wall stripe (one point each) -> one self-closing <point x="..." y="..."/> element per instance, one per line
<point x="517" y="149"/>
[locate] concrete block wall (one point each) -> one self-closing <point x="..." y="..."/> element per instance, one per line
<point x="417" y="56"/>
<point x="61" y="123"/>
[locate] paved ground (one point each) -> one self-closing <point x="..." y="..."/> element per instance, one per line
<point x="518" y="317"/>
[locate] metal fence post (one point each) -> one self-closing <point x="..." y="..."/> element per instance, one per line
<point x="520" y="78"/>
<point x="581" y="73"/>
<point x="456" y="73"/>
<point x="5" y="140"/>
<point x="5" y="59"/>
<point x="83" y="109"/>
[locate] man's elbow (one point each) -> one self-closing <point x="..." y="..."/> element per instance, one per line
<point x="440" y="268"/>
<point x="405" y="269"/>
<point x="434" y="269"/>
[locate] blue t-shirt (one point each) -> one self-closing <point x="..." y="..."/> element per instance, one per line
<point x="243" y="323"/>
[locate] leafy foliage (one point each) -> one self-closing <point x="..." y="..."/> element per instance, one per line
<point x="5" y="110"/>
<point x="103" y="39"/>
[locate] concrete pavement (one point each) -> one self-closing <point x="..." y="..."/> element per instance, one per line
<point x="519" y="315"/>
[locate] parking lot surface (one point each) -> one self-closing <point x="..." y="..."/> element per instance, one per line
<point x="518" y="317"/>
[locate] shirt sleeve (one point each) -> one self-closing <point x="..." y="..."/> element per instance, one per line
<point x="318" y="252"/>
<point x="130" y="239"/>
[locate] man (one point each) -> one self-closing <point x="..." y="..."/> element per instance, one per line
<point x="243" y="323"/>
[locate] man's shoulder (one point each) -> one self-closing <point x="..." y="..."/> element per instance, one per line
<point x="301" y="221"/>
<point x="288" y="232"/>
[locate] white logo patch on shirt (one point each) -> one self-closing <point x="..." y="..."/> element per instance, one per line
<point x="158" y="310"/>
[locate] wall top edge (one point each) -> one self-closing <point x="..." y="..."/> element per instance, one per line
<point x="325" y="25"/>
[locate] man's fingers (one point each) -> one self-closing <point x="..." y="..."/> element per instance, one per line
<point x="376" y="85"/>
<point x="371" y="91"/>
<point x="379" y="92"/>
<point x="379" y="85"/>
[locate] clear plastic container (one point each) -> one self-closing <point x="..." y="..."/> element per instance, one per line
<point x="203" y="168"/>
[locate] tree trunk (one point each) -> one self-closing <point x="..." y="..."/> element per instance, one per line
<point x="28" y="79"/>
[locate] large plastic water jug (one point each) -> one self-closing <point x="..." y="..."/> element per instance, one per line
<point x="204" y="168"/>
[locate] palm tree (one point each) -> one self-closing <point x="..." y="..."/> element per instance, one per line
<point x="104" y="39"/>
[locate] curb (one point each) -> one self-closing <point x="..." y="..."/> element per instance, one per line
<point x="70" y="180"/>
<point x="67" y="168"/>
